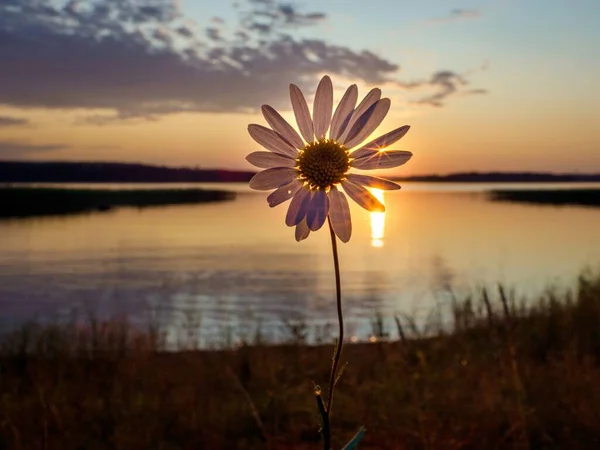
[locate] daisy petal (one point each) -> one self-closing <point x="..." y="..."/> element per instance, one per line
<point x="272" y="178"/>
<point x="298" y="207"/>
<point x="302" y="113"/>
<point x="363" y="197"/>
<point x="339" y="213"/>
<point x="343" y="112"/>
<point x="283" y="193"/>
<point x="381" y="160"/>
<point x="271" y="140"/>
<point x="381" y="142"/>
<point x="374" y="182"/>
<point x="317" y="210"/>
<point x="268" y="160"/>
<point x="302" y="231"/>
<point x="373" y="96"/>
<point x="322" y="107"/>
<point x="280" y="125"/>
<point x="368" y="122"/>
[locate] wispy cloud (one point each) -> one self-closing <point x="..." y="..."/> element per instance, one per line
<point x="147" y="59"/>
<point x="15" y="149"/>
<point x="456" y="15"/>
<point x="447" y="84"/>
<point x="6" y="121"/>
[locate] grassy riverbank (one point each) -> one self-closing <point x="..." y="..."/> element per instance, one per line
<point x="557" y="197"/>
<point x="503" y="377"/>
<point x="31" y="202"/>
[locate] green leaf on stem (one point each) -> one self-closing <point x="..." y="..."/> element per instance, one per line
<point x="356" y="439"/>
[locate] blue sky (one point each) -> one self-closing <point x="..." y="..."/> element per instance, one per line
<point x="497" y="84"/>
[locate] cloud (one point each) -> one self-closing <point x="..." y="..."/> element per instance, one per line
<point x="11" y="149"/>
<point x="447" y="83"/>
<point x="456" y="15"/>
<point x="6" y="121"/>
<point x="146" y="59"/>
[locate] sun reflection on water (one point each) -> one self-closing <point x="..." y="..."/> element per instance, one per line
<point x="377" y="221"/>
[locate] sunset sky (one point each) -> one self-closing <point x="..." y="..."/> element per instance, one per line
<point x="485" y="85"/>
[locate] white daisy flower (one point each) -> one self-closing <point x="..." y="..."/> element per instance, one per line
<point x="309" y="168"/>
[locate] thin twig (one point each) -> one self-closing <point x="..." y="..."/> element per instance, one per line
<point x="251" y="405"/>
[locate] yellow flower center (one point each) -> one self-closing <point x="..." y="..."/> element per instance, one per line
<point x="323" y="163"/>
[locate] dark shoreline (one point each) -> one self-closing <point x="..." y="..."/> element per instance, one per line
<point x="22" y="202"/>
<point x="555" y="197"/>
<point x="17" y="202"/>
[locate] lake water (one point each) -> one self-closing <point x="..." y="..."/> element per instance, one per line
<point x="233" y="267"/>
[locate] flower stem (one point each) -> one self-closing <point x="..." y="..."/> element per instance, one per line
<point x="340" y="342"/>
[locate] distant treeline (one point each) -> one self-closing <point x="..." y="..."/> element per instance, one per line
<point x="79" y="172"/>
<point x="557" y="197"/>
<point x="505" y="177"/>
<point x="34" y="202"/>
<point x="95" y="172"/>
